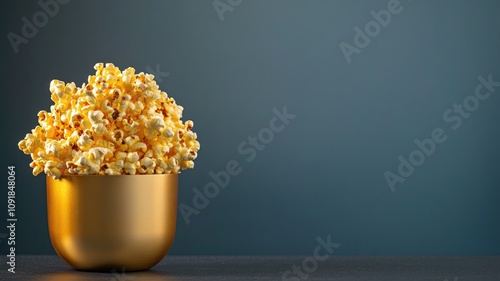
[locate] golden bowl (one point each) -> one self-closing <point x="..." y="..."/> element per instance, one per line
<point x="101" y="223"/>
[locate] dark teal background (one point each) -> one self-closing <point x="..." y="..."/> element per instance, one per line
<point x="323" y="174"/>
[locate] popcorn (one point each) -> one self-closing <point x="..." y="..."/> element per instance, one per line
<point x="95" y="116"/>
<point x="84" y="142"/>
<point x="139" y="146"/>
<point x="118" y="122"/>
<point x="100" y="129"/>
<point x="37" y="170"/>
<point x="147" y="166"/>
<point x="168" y="133"/>
<point x="132" y="157"/>
<point x="112" y="172"/>
<point x="99" y="153"/>
<point x="51" y="169"/>
<point x="121" y="155"/>
<point x="129" y="168"/>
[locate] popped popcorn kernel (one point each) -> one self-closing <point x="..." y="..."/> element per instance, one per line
<point x="118" y="122"/>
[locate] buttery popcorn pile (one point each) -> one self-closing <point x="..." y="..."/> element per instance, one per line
<point x="117" y="123"/>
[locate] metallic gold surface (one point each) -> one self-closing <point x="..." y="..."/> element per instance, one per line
<point x="100" y="223"/>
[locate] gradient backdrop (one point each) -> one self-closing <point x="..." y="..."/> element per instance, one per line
<point x="324" y="173"/>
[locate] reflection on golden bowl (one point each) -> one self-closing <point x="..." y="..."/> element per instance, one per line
<point x="101" y="223"/>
